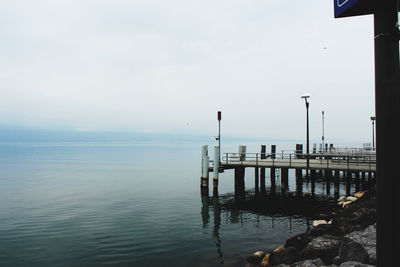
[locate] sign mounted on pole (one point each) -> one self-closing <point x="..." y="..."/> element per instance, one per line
<point x="347" y="8"/>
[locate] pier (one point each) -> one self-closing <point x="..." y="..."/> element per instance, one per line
<point x="330" y="161"/>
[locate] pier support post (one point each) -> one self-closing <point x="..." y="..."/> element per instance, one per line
<point x="348" y="182"/>
<point x="328" y="178"/>
<point x="256" y="178"/>
<point x="273" y="185"/>
<point x="284" y="179"/>
<point x="337" y="184"/>
<point x="239" y="179"/>
<point x="363" y="184"/>
<point x="299" y="182"/>
<point x="357" y="176"/>
<point x="216" y="167"/>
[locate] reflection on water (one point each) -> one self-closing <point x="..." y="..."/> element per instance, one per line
<point x="277" y="203"/>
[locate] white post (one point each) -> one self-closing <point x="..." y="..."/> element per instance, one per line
<point x="216" y="162"/>
<point x="204" y="153"/>
<point x="206" y="163"/>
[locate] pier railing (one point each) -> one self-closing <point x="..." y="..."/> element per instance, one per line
<point x="339" y="160"/>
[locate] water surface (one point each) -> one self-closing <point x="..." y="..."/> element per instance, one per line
<point x="135" y="204"/>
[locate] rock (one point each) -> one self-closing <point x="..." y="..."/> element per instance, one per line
<point x="346" y="204"/>
<point x="342" y="198"/>
<point x="318" y="222"/>
<point x="367" y="239"/>
<point x="324" y="247"/>
<point x="322" y="229"/>
<point x="308" y="263"/>
<point x="285" y="256"/>
<point x="265" y="260"/>
<point x="256" y="257"/>
<point x="352" y="251"/>
<point x="354" y="264"/>
<point x="299" y="241"/>
<point x="359" y="194"/>
<point x="352" y="199"/>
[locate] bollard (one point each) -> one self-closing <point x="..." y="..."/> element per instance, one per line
<point x="299" y="151"/>
<point x="242" y="153"/>
<point x="273" y="151"/>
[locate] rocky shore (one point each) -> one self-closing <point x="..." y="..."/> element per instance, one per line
<point x="347" y="238"/>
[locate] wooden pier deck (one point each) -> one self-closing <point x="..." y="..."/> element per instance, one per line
<point x="357" y="163"/>
<point x="314" y="164"/>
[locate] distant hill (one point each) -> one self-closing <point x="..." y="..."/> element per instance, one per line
<point x="25" y="134"/>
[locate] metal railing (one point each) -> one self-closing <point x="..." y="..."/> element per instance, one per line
<point x="292" y="159"/>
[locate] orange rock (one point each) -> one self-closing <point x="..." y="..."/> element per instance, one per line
<point x="280" y="248"/>
<point x="265" y="261"/>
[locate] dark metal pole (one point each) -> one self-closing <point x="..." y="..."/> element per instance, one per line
<point x="308" y="138"/>
<point x="387" y="107"/>
<point x="219" y="117"/>
<point x="323" y="138"/>
<point x="373" y="132"/>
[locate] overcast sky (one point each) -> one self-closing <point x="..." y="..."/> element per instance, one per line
<point x="157" y="65"/>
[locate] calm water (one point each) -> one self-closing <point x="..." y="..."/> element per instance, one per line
<point x="128" y="204"/>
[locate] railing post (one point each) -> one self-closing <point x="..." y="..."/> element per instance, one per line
<point x="257" y="159"/>
<point x="290" y="160"/>
<point x="226" y="158"/>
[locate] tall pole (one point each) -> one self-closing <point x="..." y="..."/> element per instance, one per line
<point x="373" y="132"/>
<point x="387" y="99"/>
<point x="323" y="138"/>
<point x="219" y="134"/>
<point x="308" y="138"/>
<point x="308" y="135"/>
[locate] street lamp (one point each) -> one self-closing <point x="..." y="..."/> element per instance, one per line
<point x="373" y="132"/>
<point x="308" y="135"/>
<point x="323" y="137"/>
<point x="219" y="135"/>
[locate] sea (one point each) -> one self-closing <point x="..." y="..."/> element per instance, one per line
<point x="138" y="204"/>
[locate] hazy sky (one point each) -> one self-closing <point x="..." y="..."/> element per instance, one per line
<point x="157" y="65"/>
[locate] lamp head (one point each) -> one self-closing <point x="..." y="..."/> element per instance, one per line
<point x="373" y="118"/>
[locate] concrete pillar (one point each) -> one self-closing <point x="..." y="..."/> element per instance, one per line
<point x="204" y="176"/>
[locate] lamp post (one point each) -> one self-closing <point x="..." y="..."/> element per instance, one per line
<point x="219" y="135"/>
<point x="373" y="132"/>
<point x="308" y="135"/>
<point x="323" y="137"/>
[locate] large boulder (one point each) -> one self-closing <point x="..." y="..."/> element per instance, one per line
<point x="324" y="247"/>
<point x="299" y="241"/>
<point x="352" y="251"/>
<point x="367" y="239"/>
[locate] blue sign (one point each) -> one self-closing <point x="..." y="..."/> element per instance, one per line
<point x="347" y="8"/>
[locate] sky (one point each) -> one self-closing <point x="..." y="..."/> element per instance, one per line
<point x="169" y="66"/>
